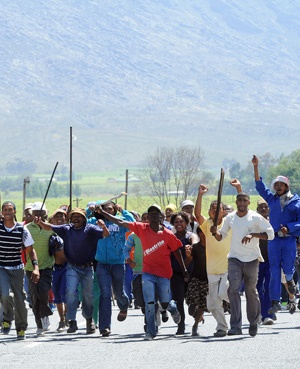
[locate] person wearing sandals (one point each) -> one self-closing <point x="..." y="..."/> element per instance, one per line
<point x="198" y="284"/>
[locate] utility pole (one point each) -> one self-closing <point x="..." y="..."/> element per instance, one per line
<point x="77" y="200"/>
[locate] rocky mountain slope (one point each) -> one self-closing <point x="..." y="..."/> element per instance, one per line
<point x="133" y="75"/>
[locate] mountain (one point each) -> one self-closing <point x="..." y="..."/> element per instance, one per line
<point x="130" y="76"/>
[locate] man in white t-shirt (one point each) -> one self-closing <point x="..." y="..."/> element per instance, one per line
<point x="243" y="259"/>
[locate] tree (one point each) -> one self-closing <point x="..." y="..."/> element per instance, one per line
<point x="77" y="190"/>
<point x="288" y="166"/>
<point x="173" y="172"/>
<point x="19" y="165"/>
<point x="245" y="175"/>
<point x="235" y="170"/>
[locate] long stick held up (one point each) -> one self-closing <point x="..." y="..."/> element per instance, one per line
<point x="219" y="197"/>
<point x="49" y="186"/>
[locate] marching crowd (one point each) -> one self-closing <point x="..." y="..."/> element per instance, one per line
<point x="157" y="261"/>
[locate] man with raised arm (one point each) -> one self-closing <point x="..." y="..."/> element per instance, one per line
<point x="157" y="243"/>
<point x="285" y="219"/>
<point x="216" y="259"/>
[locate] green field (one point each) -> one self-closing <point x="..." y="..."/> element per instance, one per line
<point x="139" y="204"/>
<point x="102" y="186"/>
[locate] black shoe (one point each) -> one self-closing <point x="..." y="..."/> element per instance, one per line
<point x="72" y="326"/>
<point x="275" y="307"/>
<point x="220" y="333"/>
<point x="105" y="332"/>
<point x="292" y="307"/>
<point x="90" y="326"/>
<point x="122" y="315"/>
<point x="235" y="331"/>
<point x="291" y="287"/>
<point x="253" y="330"/>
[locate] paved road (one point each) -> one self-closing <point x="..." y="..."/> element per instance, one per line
<point x="274" y="347"/>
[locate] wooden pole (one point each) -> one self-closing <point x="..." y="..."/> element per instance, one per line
<point x="77" y="200"/>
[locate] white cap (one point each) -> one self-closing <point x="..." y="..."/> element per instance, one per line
<point x="37" y="206"/>
<point x="186" y="203"/>
<point x="280" y="179"/>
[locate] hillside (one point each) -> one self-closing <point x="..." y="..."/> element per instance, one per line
<point x="132" y="75"/>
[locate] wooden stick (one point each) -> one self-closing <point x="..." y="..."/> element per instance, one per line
<point x="219" y="197"/>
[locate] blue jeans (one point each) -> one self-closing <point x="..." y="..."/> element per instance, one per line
<point x="262" y="286"/>
<point x="282" y="254"/>
<point x="59" y="284"/>
<point x="110" y="276"/>
<point x="74" y="276"/>
<point x="128" y="282"/>
<point x="156" y="288"/>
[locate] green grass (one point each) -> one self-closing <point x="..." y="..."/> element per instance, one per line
<point x="137" y="203"/>
<point x="97" y="186"/>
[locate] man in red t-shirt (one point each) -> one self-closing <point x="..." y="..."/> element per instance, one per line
<point x="157" y="243"/>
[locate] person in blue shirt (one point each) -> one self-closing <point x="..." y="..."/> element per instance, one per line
<point x="285" y="219"/>
<point x="110" y="270"/>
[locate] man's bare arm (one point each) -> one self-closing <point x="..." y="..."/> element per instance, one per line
<point x="237" y="184"/>
<point x="198" y="206"/>
<point x="255" y="162"/>
<point x="44" y="225"/>
<point x="35" y="275"/>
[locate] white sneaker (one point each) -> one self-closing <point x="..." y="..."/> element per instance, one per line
<point x="267" y="321"/>
<point x="46" y="323"/>
<point x="40" y="332"/>
<point x="148" y="337"/>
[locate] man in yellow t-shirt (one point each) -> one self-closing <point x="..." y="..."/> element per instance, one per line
<point x="216" y="262"/>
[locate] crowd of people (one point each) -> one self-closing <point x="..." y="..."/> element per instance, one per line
<point x="157" y="261"/>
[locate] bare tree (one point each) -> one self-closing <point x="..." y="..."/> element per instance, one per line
<point x="173" y="173"/>
<point x="157" y="174"/>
